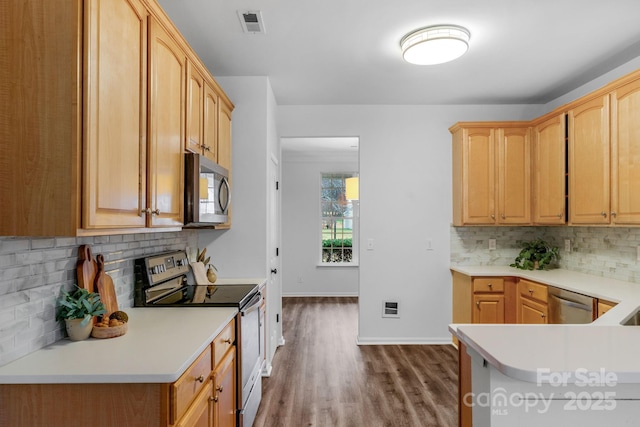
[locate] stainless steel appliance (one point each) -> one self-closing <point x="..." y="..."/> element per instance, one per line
<point x="207" y="194"/>
<point x="166" y="280"/>
<point x="569" y="307"/>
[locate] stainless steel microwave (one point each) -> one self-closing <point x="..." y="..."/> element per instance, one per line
<point x="207" y="195"/>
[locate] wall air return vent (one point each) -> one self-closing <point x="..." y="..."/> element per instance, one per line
<point x="251" y="21"/>
<point x="390" y="309"/>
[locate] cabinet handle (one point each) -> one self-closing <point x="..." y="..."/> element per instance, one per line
<point x="531" y="291"/>
<point x="200" y="379"/>
<point x="493" y="216"/>
<point x="613" y="214"/>
<point x="213" y="399"/>
<point x="146" y="211"/>
<point x="542" y="315"/>
<point x="560" y="215"/>
<point x="604" y="214"/>
<point x="478" y="303"/>
<point x="156" y="212"/>
<point x="490" y="285"/>
<point x="206" y="147"/>
<point x="503" y="217"/>
<point x="219" y="388"/>
<point x="227" y="341"/>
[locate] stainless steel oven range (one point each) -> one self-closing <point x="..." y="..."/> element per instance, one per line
<point x="166" y="280"/>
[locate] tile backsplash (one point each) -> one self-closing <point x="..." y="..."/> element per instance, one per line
<point x="33" y="271"/>
<point x="601" y="251"/>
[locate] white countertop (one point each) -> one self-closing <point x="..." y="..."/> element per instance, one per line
<point x="519" y="351"/>
<point x="158" y="347"/>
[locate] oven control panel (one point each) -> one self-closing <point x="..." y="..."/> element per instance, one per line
<point x="163" y="267"/>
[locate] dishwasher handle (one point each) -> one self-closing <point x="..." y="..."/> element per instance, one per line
<point x="573" y="304"/>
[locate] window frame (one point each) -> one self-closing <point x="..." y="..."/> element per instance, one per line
<point x="354" y="218"/>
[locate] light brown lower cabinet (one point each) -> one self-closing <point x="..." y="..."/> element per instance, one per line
<point x="532" y="302"/>
<point x="604" y="306"/>
<point x="204" y="395"/>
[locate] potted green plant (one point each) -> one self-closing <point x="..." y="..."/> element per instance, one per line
<point x="78" y="308"/>
<point x="536" y="255"/>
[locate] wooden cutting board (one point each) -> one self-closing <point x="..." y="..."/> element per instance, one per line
<point x="104" y="286"/>
<point x="86" y="268"/>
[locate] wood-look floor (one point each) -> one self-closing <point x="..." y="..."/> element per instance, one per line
<point x="321" y="377"/>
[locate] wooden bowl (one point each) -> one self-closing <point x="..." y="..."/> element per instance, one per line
<point x="110" y="332"/>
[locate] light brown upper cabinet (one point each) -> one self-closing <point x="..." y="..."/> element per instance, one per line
<point x="625" y="154"/>
<point x="203" y="117"/>
<point x="195" y="109"/>
<point x="589" y="174"/>
<point x="491" y="173"/>
<point x="549" y="157"/>
<point x="167" y="129"/>
<point x="514" y="175"/>
<point x="97" y="105"/>
<point x="224" y="133"/>
<point x="115" y="115"/>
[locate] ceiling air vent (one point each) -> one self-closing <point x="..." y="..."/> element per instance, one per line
<point x="251" y="21"/>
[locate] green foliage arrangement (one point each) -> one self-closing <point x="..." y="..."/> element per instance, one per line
<point x="337" y="243"/>
<point x="535" y="251"/>
<point x="79" y="304"/>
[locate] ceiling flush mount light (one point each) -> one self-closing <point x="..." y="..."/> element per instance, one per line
<point x="435" y="45"/>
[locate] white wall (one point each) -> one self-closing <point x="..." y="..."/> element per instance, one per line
<point x="301" y="231"/>
<point x="405" y="200"/>
<point x="242" y="250"/>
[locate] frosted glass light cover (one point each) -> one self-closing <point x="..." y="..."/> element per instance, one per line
<point x="435" y="45"/>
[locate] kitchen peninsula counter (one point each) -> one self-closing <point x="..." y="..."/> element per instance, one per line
<point x="554" y="375"/>
<point x="158" y="347"/>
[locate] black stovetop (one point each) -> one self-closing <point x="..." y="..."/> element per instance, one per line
<point x="210" y="296"/>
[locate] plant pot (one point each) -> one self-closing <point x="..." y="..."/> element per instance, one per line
<point x="76" y="331"/>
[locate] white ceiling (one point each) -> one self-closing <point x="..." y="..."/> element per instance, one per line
<point x="347" y="51"/>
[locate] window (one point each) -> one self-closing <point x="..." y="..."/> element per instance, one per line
<point x="338" y="220"/>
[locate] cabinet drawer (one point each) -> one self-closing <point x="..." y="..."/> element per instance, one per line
<point x="532" y="290"/>
<point x="194" y="379"/>
<point x="223" y="342"/>
<point x="488" y="284"/>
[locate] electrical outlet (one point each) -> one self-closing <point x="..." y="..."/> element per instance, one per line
<point x="299" y="279"/>
<point x="638" y="253"/>
<point x="567" y="245"/>
<point x="429" y="245"/>
<point x="492" y="244"/>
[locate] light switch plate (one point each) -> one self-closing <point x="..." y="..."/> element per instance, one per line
<point x="492" y="244"/>
<point x="567" y="245"/>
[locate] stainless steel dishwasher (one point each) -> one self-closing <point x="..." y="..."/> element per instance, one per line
<point x="569" y="307"/>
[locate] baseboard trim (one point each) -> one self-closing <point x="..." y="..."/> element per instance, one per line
<point x="402" y="341"/>
<point x="319" y="294"/>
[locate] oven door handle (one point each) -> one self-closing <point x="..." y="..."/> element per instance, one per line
<point x="252" y="305"/>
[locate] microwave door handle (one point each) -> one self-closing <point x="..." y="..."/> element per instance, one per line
<point x="224" y="207"/>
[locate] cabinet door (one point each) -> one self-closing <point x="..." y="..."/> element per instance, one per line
<point x="514" y="176"/>
<point x="225" y="391"/>
<point x="532" y="312"/>
<point x="589" y="162"/>
<point x="115" y="114"/>
<point x="478" y="176"/>
<point x="166" y="136"/>
<point x="625" y="154"/>
<point x="488" y="308"/>
<point x="549" y="184"/>
<point x="195" y="106"/>
<point x="200" y="413"/>
<point x="210" y="134"/>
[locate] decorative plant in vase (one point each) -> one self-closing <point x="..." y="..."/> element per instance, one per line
<point x="78" y="308"/>
<point x="536" y="255"/>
